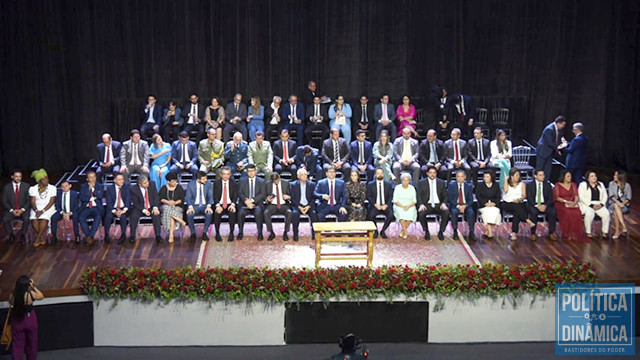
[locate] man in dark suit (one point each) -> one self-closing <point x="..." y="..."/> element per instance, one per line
<point x="145" y="202"/>
<point x="540" y="201"/>
<point x="284" y="154"/>
<point x="293" y="117"/>
<point x="118" y="198"/>
<point x="380" y="195"/>
<point x="108" y="156"/>
<point x="134" y="156"/>
<point x="317" y="120"/>
<point x="462" y="113"/>
<point x="361" y="154"/>
<point x="309" y="93"/>
<point x="363" y="118"/>
<point x="198" y="198"/>
<point x="332" y="196"/>
<point x="225" y="192"/>
<point x="277" y="202"/>
<point x="548" y="145"/>
<point x="67" y="209"/>
<point x="236" y="113"/>
<point x="151" y="117"/>
<point x="335" y="153"/>
<point x="432" y="154"/>
<point x="307" y="158"/>
<point x="302" y="201"/>
<point x="479" y="153"/>
<point x="384" y="115"/>
<point x="460" y="195"/>
<point x="184" y="154"/>
<point x="17" y="202"/>
<point x="251" y="192"/>
<point x="456" y="154"/>
<point x="193" y="116"/>
<point x="91" y="194"/>
<point x="273" y="120"/>
<point x="432" y="199"/>
<point x="576" y="151"/>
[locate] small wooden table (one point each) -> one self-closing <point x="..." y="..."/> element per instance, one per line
<point x="357" y="231"/>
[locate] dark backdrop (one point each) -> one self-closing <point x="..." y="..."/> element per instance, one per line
<point x="67" y="65"/>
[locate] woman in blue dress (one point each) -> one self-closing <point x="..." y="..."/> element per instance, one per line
<point x="340" y="115"/>
<point x="161" y="155"/>
<point x="255" y="118"/>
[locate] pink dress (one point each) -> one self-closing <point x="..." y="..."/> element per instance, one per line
<point x="411" y="114"/>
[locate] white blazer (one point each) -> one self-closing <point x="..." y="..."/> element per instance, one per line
<point x="495" y="151"/>
<point x="584" y="195"/>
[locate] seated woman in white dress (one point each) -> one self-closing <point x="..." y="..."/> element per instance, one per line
<point x="501" y="154"/>
<point x="592" y="199"/>
<point x="404" y="203"/>
<point x="43" y="200"/>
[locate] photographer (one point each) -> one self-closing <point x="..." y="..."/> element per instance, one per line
<point x="24" y="323"/>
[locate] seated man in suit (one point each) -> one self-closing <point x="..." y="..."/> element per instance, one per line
<point x="576" y="151"/>
<point x="251" y="193"/>
<point x="460" y="194"/>
<point x="108" y="156"/>
<point x="17" y="202"/>
<point x="236" y="153"/>
<point x="67" y="209"/>
<point x="405" y="154"/>
<point x="361" y="153"/>
<point x="318" y="120"/>
<point x="118" y="203"/>
<point x="236" y="113"/>
<point x="284" y="154"/>
<point x="293" y="115"/>
<point x="134" y="156"/>
<point x="277" y="202"/>
<point x="540" y="201"/>
<point x="380" y="196"/>
<point x="332" y="196"/>
<point x="479" y="153"/>
<point x="302" y="201"/>
<point x="260" y="154"/>
<point x="462" y="113"/>
<point x="456" y="154"/>
<point x="307" y="158"/>
<point x="172" y="122"/>
<point x="432" y="154"/>
<point x="91" y="194"/>
<point x="385" y="116"/>
<point x="432" y="199"/>
<point x="151" y="117"/>
<point x="225" y="192"/>
<point x="184" y="154"/>
<point x="145" y="202"/>
<point x="193" y="116"/>
<point x="335" y="154"/>
<point x="210" y="153"/>
<point x="362" y="118"/>
<point x="198" y="198"/>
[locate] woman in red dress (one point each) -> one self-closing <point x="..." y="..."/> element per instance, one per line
<point x="565" y="193"/>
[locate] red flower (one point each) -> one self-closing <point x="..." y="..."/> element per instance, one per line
<point x="410" y="286"/>
<point x="113" y="271"/>
<point x="164" y="284"/>
<point x="353" y="285"/>
<point x="413" y="277"/>
<point x="187" y="282"/>
<point x="209" y="289"/>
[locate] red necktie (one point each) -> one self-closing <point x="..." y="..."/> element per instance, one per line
<point x="146" y="199"/>
<point x="455" y="145"/>
<point x="278" y="196"/>
<point x="224" y="195"/>
<point x="108" y="154"/>
<point x="460" y="196"/>
<point x="90" y="196"/>
<point x="119" y="198"/>
<point x="17" y="198"/>
<point x="331" y="193"/>
<point x="286" y="153"/>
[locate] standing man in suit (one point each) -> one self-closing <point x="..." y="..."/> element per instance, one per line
<point x="67" y="209"/>
<point x="236" y="153"/>
<point x="118" y="202"/>
<point x="460" y="195"/>
<point x="17" y="202"/>
<point x="540" y="201"/>
<point x="302" y="201"/>
<point x="548" y="145"/>
<point x="405" y="153"/>
<point x="432" y="154"/>
<point x="145" y="202"/>
<point x="380" y="196"/>
<point x="332" y="196"/>
<point x="318" y="118"/>
<point x="362" y="118"/>
<point x="576" y="150"/>
<point x="361" y="153"/>
<point x="335" y="153"/>
<point x="309" y="93"/>
<point x="479" y="153"/>
<point x="210" y="153"/>
<point x="91" y="194"/>
<point x="193" y="115"/>
<point x="284" y="154"/>
<point x="307" y="159"/>
<point x="134" y="156"/>
<point x="456" y="154"/>
<point x="432" y="199"/>
<point x="293" y="115"/>
<point x="251" y="194"/>
<point x="225" y="193"/>
<point x="108" y="156"/>
<point x="260" y="154"/>
<point x="277" y="202"/>
<point x="184" y="154"/>
<point x="462" y="113"/>
<point x="199" y="198"/>
<point x="236" y="113"/>
<point x="151" y="117"/>
<point x="384" y="114"/>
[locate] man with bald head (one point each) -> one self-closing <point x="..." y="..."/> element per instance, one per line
<point x="108" y="156"/>
<point x="456" y="154"/>
<point x="432" y="153"/>
<point x="405" y="156"/>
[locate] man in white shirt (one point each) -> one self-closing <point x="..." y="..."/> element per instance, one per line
<point x="278" y="199"/>
<point x="151" y="117"/>
<point x="193" y="117"/>
<point x="405" y="154"/>
<point x="455" y="150"/>
<point x="134" y="156"/>
<point x="385" y="116"/>
<point x="225" y="191"/>
<point x="67" y="209"/>
<point x="108" y="156"/>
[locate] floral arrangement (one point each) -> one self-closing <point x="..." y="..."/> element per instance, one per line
<point x="358" y="283"/>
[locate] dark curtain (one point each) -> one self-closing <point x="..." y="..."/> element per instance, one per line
<point x="72" y="70"/>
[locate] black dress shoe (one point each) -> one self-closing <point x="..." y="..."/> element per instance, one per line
<point x="472" y="236"/>
<point x="455" y="235"/>
<point x="218" y="238"/>
<point x="159" y="239"/>
<point x="192" y="238"/>
<point x="77" y="239"/>
<point x="132" y="239"/>
<point x="12" y="238"/>
<point x="205" y="237"/>
<point x="375" y="234"/>
<point x="121" y="240"/>
<point x="440" y="236"/>
<point x="285" y="237"/>
<point x="295" y="237"/>
<point x="260" y="237"/>
<point x="230" y="238"/>
<point x="427" y="236"/>
<point x="271" y="237"/>
<point x="23" y="239"/>
<point x="107" y="240"/>
<point x="54" y="240"/>
<point x="383" y="234"/>
<point x="240" y="235"/>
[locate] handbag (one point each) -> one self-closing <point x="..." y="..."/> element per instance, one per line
<point x="7" y="336"/>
